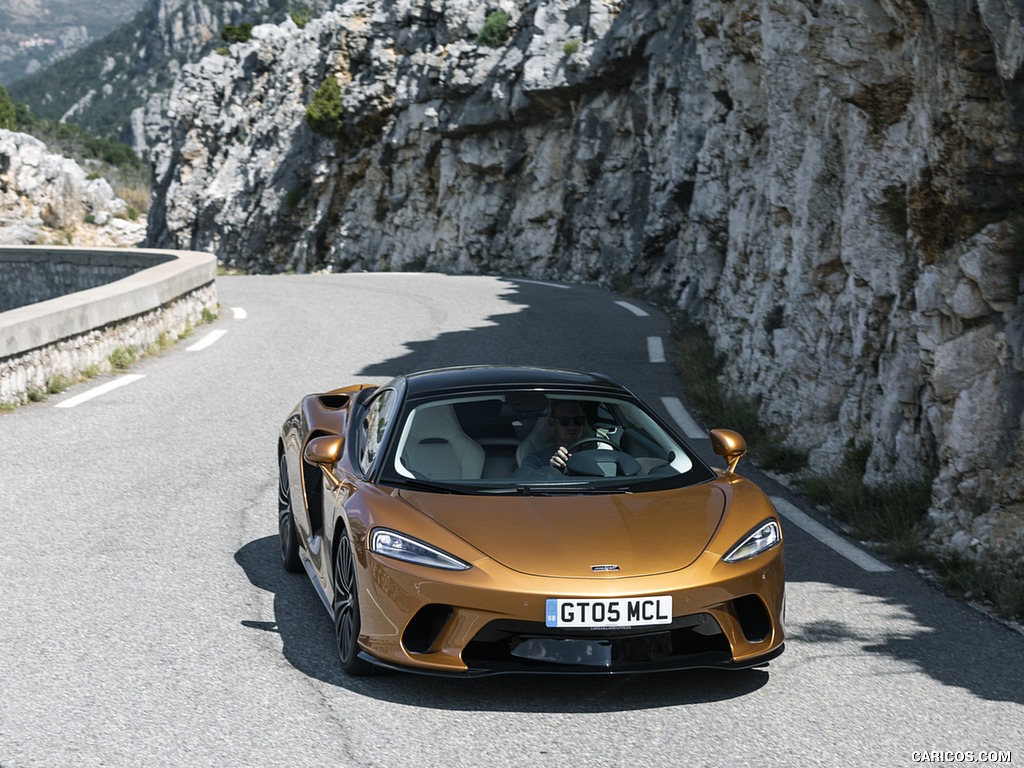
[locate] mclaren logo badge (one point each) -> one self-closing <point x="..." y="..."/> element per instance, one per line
<point x="604" y="567"/>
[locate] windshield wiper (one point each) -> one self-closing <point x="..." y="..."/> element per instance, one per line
<point x="571" y="490"/>
<point x="430" y="485"/>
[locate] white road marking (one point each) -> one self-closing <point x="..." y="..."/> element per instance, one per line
<point x="210" y="338"/>
<point x="539" y="282"/>
<point x="682" y="417"/>
<point x="827" y="537"/>
<point x="634" y="309"/>
<point x="655" y="349"/>
<point x="120" y="381"/>
<point x="239" y="313"/>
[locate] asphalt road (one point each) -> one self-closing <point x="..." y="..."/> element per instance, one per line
<point x="146" y="620"/>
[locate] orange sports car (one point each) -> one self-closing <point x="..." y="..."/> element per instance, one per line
<point x="484" y="520"/>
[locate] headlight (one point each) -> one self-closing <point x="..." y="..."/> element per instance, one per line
<point x="762" y="538"/>
<point x="401" y="547"/>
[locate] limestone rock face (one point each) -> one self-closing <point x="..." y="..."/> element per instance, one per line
<point x="49" y="199"/>
<point x="833" y="187"/>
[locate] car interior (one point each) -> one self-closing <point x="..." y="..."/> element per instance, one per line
<point x="487" y="437"/>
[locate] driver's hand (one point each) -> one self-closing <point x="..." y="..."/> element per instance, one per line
<point x="560" y="457"/>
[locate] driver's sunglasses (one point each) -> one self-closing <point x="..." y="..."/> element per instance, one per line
<point x="576" y="421"/>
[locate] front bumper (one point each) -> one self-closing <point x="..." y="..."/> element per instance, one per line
<point x="491" y="621"/>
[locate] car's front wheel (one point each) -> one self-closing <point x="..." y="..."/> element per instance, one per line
<point x="286" y="521"/>
<point x="346" y="610"/>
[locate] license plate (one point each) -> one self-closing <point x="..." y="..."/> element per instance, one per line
<point x="614" y="612"/>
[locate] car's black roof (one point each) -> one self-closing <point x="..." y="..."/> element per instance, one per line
<point x="487" y="376"/>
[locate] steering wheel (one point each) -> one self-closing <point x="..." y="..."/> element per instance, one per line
<point x="585" y="440"/>
<point x="589" y="462"/>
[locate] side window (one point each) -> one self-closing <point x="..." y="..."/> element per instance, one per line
<point x="372" y="430"/>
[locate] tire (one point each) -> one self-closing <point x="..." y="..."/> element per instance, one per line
<point x="286" y="521"/>
<point x="346" y="611"/>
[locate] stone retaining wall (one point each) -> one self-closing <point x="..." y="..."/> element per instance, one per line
<point x="31" y="276"/>
<point x="46" y="345"/>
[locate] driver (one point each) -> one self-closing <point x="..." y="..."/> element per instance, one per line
<point x="568" y="422"/>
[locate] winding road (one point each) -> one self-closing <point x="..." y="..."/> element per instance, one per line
<point x="146" y="620"/>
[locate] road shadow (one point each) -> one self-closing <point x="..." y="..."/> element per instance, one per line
<point x="952" y="642"/>
<point x="546" y="325"/>
<point x="307" y="641"/>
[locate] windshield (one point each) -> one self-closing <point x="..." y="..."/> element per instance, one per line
<point x="503" y="442"/>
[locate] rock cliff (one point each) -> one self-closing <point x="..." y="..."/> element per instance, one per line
<point x="49" y="199"/>
<point x="833" y="186"/>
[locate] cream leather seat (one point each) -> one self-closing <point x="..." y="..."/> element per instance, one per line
<point x="436" y="447"/>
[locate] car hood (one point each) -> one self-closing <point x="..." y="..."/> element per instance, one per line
<point x="568" y="536"/>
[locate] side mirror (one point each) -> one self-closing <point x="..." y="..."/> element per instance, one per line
<point x="729" y="445"/>
<point x="324" y="452"/>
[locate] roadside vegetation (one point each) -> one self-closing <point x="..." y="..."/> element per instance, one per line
<point x="891" y="518"/>
<point x="119" y="360"/>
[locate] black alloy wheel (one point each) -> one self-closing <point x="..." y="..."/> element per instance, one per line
<point x="286" y="521"/>
<point x="346" y="610"/>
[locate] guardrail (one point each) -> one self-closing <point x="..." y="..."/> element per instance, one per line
<point x="50" y="343"/>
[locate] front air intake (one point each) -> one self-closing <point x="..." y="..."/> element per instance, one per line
<point x="423" y="629"/>
<point x="753" y="617"/>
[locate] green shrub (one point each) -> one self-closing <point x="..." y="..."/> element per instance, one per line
<point x="302" y="17"/>
<point x="237" y="33"/>
<point x="570" y="48"/>
<point x="324" y="115"/>
<point x="123" y="357"/>
<point x="57" y="384"/>
<point x="495" y="32"/>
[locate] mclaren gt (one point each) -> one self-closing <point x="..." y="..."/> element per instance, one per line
<point x="483" y="520"/>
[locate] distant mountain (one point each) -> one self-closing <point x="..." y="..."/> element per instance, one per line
<point x="37" y="33"/>
<point x="99" y="86"/>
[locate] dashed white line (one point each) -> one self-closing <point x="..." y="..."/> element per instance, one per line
<point x="632" y="308"/>
<point x="210" y="338"/>
<point x="829" y="538"/>
<point x="120" y="381"/>
<point x="239" y="313"/>
<point x="683" y="418"/>
<point x="655" y="349"/>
